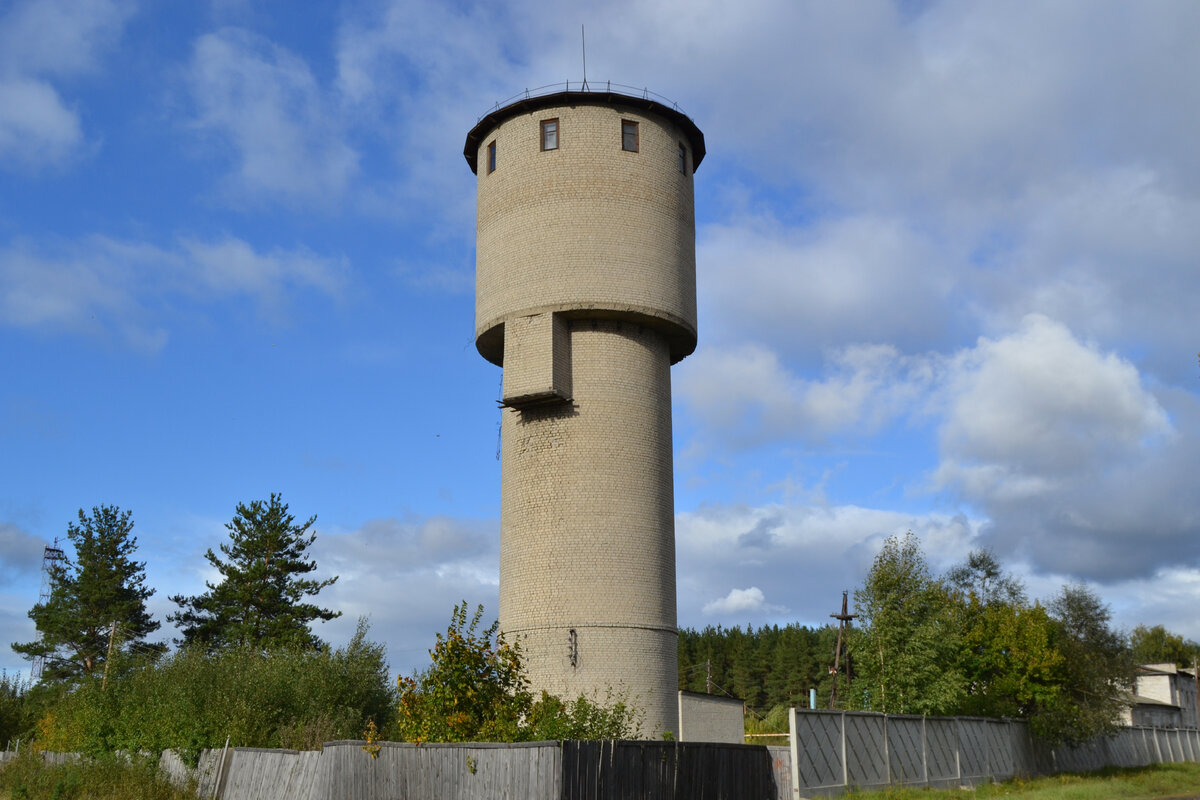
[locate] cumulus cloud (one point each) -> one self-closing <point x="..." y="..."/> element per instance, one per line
<point x="808" y="288"/>
<point x="740" y="601"/>
<point x="1064" y="447"/>
<point x="748" y="395"/>
<point x="1110" y="253"/>
<point x="801" y="556"/>
<point x="406" y="574"/>
<point x="263" y="102"/>
<point x="35" y="126"/>
<point x="103" y="286"/>
<point x="20" y="552"/>
<point x="1039" y="404"/>
<point x="42" y="44"/>
<point x="1071" y="454"/>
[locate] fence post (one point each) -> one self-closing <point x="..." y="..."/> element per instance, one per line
<point x="845" y="763"/>
<point x="924" y="752"/>
<point x="794" y="746"/>
<point x="887" y="751"/>
<point x="958" y="750"/>
<point x="216" y="793"/>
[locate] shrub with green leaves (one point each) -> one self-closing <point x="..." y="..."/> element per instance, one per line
<point x="191" y="700"/>
<point x="475" y="690"/>
<point x="107" y="778"/>
<point x="16" y="709"/>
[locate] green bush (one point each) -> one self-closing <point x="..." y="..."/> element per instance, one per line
<point x="475" y="690"/>
<point x="107" y="778"/>
<point x="191" y="700"/>
<point x="17" y="713"/>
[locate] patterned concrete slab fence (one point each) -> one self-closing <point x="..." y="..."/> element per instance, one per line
<point x="834" y="750"/>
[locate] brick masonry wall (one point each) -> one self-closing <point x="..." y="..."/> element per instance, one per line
<point x="587" y="524"/>
<point x="587" y="227"/>
<point x="601" y="241"/>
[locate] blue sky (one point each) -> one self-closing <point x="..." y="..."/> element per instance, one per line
<point x="947" y="283"/>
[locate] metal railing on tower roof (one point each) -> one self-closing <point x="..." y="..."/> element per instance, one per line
<point x="607" y="87"/>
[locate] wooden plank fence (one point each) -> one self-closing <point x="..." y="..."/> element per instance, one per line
<point x="610" y="770"/>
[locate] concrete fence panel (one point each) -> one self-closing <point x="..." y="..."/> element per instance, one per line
<point x="872" y="750"/>
<point x="941" y="748"/>
<point x="866" y="749"/>
<point x="818" y="761"/>
<point x="906" y="749"/>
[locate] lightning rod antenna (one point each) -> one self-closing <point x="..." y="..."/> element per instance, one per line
<point x="583" y="47"/>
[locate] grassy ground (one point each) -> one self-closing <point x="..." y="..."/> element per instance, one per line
<point x="1160" y="782"/>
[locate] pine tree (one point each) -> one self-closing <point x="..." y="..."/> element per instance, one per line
<point x="261" y="599"/>
<point x="97" y="602"/>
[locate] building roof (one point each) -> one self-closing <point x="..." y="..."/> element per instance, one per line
<point x="1165" y="669"/>
<point x="1140" y="700"/>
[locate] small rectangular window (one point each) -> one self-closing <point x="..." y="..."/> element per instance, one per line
<point x="492" y="157"/>
<point x="549" y="134"/>
<point x="682" y="158"/>
<point x="629" y="136"/>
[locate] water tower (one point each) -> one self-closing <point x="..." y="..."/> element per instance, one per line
<point x="586" y="295"/>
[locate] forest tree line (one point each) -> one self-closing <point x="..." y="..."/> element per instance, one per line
<point x="248" y="664"/>
<point x="969" y="642"/>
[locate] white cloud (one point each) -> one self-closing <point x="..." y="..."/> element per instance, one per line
<point x="42" y="43"/>
<point x="859" y="278"/>
<point x="59" y="37"/>
<point x="1039" y="403"/>
<point x="1078" y="463"/>
<point x="1110" y="253"/>
<point x="231" y="265"/>
<point x="747" y="396"/>
<point x="739" y="601"/>
<point x="1072" y="455"/>
<point x="801" y="556"/>
<point x="35" y="127"/>
<point x="20" y="552"/>
<point x="102" y="286"/>
<point x="407" y="575"/>
<point x="264" y="102"/>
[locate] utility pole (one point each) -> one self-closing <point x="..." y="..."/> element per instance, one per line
<point x="112" y="636"/>
<point x="842" y="619"/>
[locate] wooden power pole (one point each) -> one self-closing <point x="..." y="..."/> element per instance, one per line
<point x="842" y="618"/>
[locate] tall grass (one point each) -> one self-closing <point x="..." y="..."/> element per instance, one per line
<point x="106" y="778"/>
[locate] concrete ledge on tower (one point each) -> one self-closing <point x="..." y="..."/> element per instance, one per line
<point x="537" y="361"/>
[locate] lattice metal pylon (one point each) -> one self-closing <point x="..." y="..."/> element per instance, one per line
<point x="51" y="555"/>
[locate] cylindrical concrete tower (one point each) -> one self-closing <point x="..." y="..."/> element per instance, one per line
<point x="585" y="295"/>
